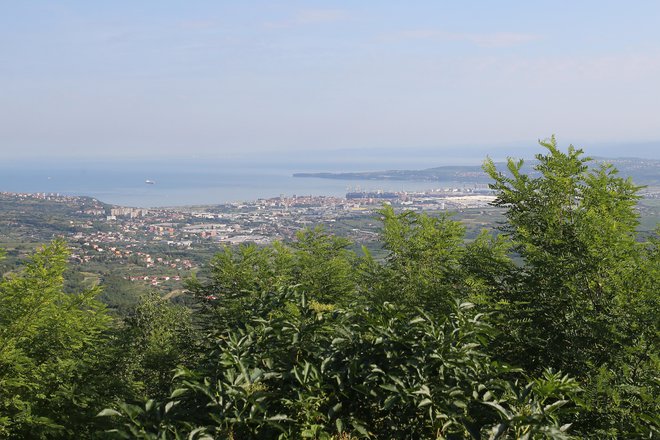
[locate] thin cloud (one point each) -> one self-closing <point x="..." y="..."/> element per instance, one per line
<point x="197" y="24"/>
<point x="312" y="16"/>
<point x="500" y="39"/>
<point x="493" y="39"/>
<point x="616" y="68"/>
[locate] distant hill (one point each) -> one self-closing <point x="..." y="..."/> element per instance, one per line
<point x="642" y="171"/>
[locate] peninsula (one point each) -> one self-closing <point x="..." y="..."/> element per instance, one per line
<point x="642" y="171"/>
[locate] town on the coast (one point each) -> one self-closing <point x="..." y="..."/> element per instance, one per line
<point x="162" y="246"/>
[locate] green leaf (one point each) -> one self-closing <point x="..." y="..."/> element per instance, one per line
<point x="427" y="401"/>
<point x="554" y="406"/>
<point x="360" y="428"/>
<point x="171" y="404"/>
<point x="389" y="387"/>
<point x="340" y="425"/>
<point x="506" y="413"/>
<point x="109" y="413"/>
<point x="334" y="410"/>
<point x="178" y="393"/>
<point x="278" y="418"/>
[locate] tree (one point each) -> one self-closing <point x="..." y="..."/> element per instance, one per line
<point x="580" y="301"/>
<point x="323" y="266"/>
<point x="298" y="370"/>
<point x="422" y="266"/>
<point x="155" y="338"/>
<point x="318" y="262"/>
<point x="50" y="349"/>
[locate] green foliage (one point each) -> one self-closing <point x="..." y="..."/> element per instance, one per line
<point x="63" y="358"/>
<point x="585" y="299"/>
<point x="423" y="262"/>
<point x="372" y="372"/>
<point x="317" y="262"/>
<point x="430" y="265"/>
<point x="155" y="338"/>
<point x="534" y="408"/>
<point x="48" y="350"/>
<point x="485" y="267"/>
<point x="323" y="265"/>
<point x="119" y="294"/>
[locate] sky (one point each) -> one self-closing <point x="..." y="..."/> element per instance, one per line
<point x="124" y="79"/>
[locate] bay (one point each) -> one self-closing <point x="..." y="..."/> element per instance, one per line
<point x="190" y="182"/>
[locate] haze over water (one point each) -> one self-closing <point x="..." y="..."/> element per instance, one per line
<point x="189" y="183"/>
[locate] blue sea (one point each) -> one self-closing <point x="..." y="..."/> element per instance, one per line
<point x="194" y="181"/>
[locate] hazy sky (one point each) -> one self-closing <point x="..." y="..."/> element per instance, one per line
<point x="133" y="78"/>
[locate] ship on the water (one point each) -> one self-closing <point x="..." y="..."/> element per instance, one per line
<point x="149" y="182"/>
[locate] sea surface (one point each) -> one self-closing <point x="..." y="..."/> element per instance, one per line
<point x="191" y="182"/>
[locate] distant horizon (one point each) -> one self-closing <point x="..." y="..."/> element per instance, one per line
<point x="181" y="181"/>
<point x="467" y="154"/>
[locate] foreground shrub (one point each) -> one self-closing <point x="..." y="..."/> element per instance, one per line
<point x="300" y="369"/>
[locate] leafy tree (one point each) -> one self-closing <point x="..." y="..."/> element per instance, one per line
<point x="422" y="266"/>
<point x="486" y="266"/>
<point x="323" y="266"/>
<point x="584" y="299"/>
<point x="49" y="351"/>
<point x="429" y="263"/>
<point x="298" y="369"/>
<point x="318" y="262"/>
<point x="155" y="338"/>
<point x="119" y="294"/>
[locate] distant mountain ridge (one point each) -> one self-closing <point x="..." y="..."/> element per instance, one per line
<point x="642" y="171"/>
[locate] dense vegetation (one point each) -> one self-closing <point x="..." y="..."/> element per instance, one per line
<point x="547" y="328"/>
